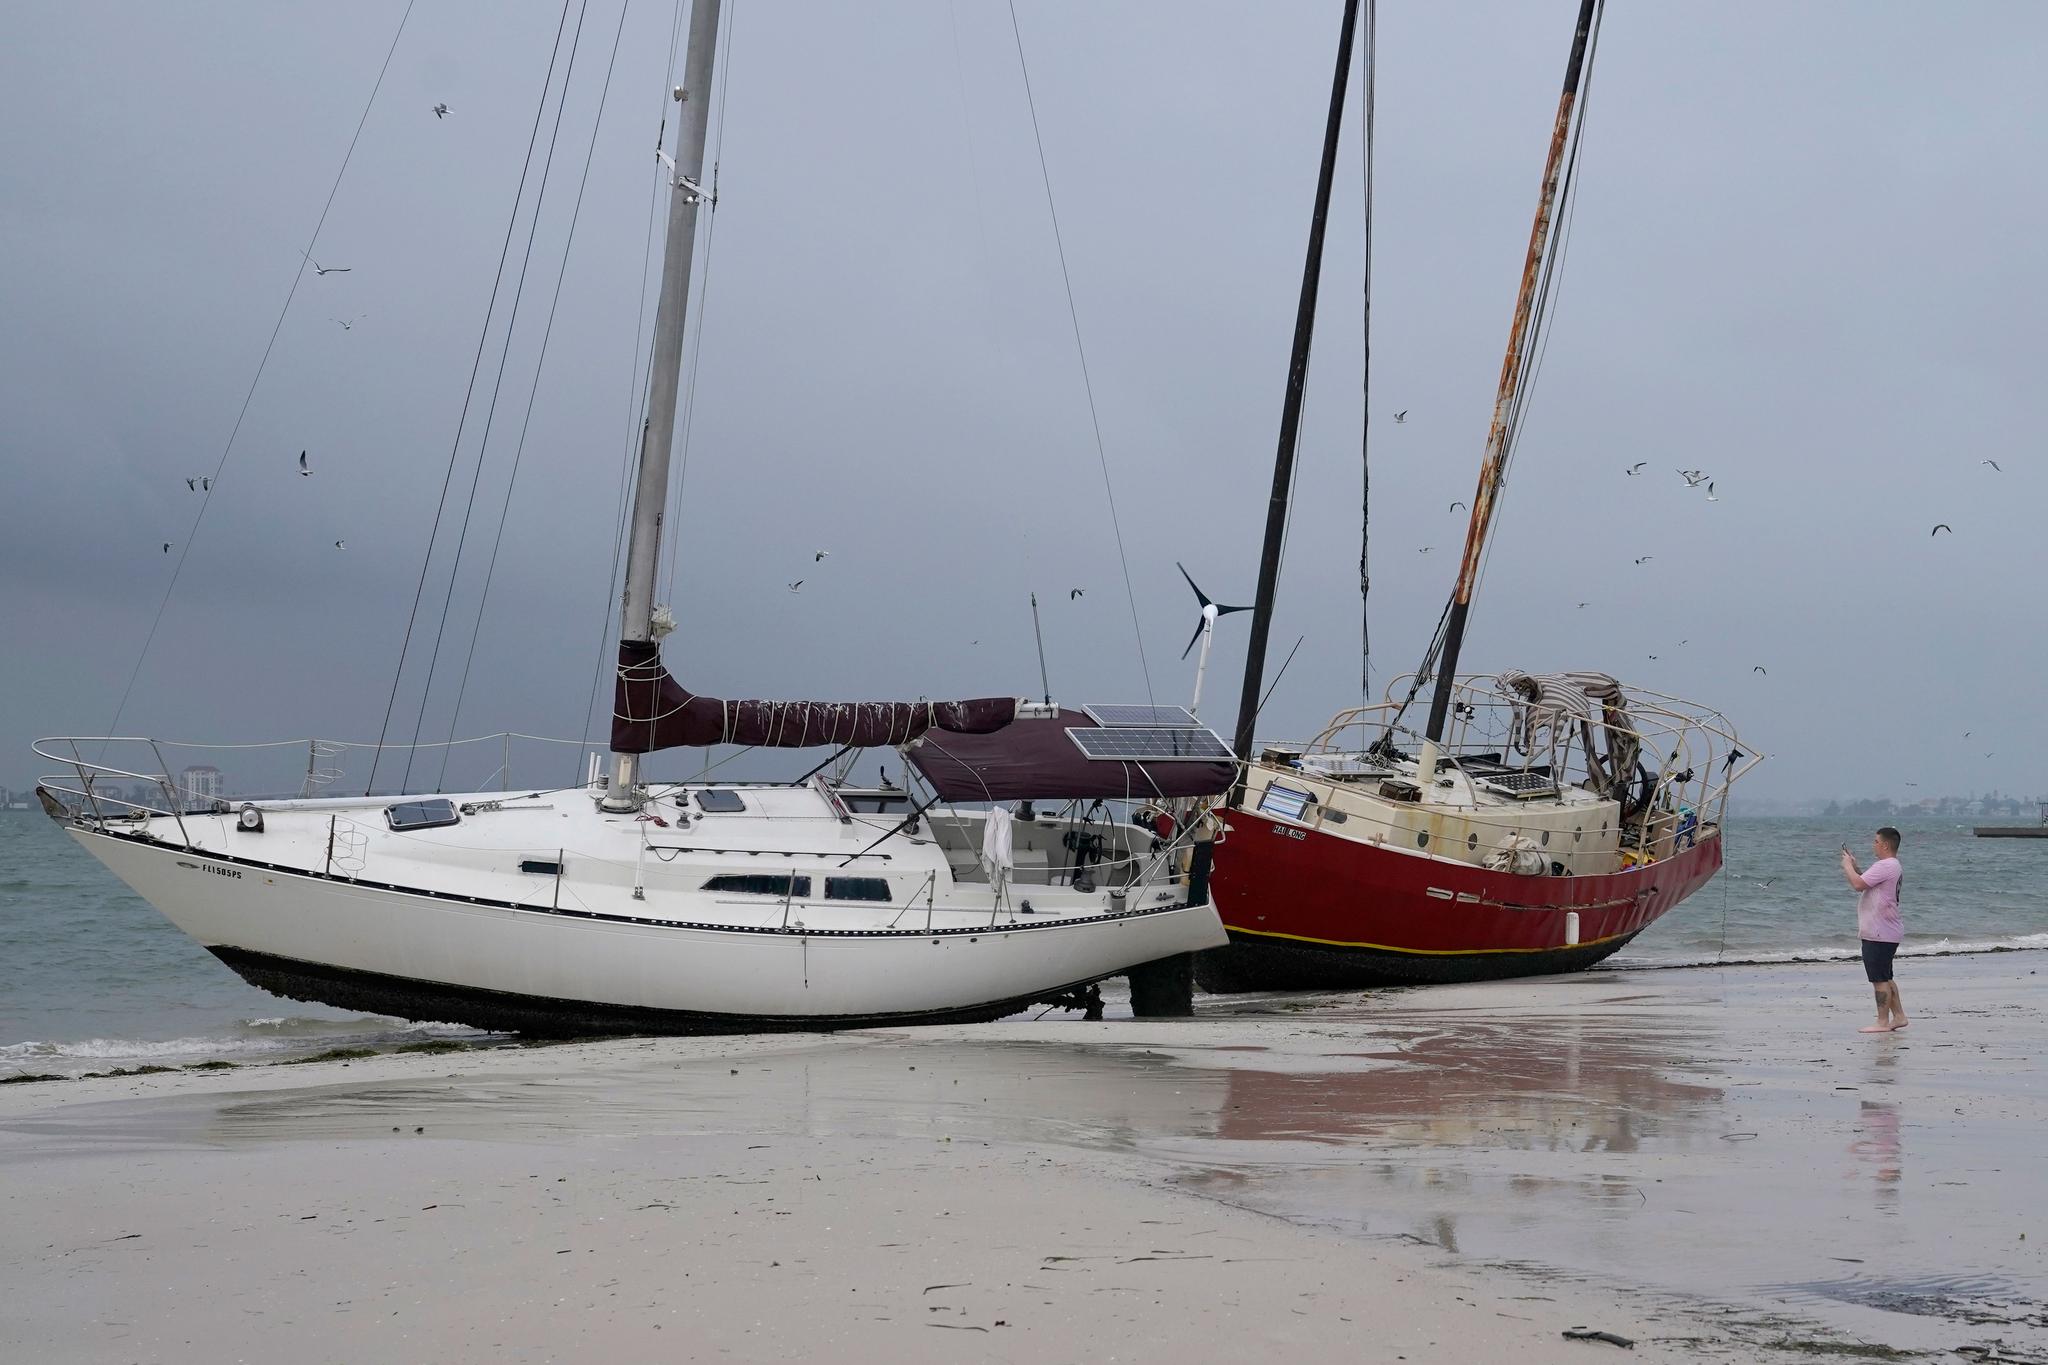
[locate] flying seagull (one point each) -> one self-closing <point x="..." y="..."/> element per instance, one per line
<point x="1653" y="658"/>
<point x="340" y="545"/>
<point x="192" y="484"/>
<point x="1635" y="468"/>
<point x="1425" y="549"/>
<point x="1076" y="593"/>
<point x="1941" y="526"/>
<point x="440" y="111"/>
<point x="1456" y="505"/>
<point x="796" y="585"/>
<point x="1710" y="491"/>
<point x="1761" y="669"/>
<point x="819" y="557"/>
<point x="1693" y="477"/>
<point x="1766" y="882"/>
<point x="167" y="547"/>
<point x="348" y="324"/>
<point x="1401" y="416"/>
<point x="1992" y="463"/>
<point x="320" y="269"/>
<point x="1582" y="606"/>
<point x="305" y="470"/>
<point x="1646" y="559"/>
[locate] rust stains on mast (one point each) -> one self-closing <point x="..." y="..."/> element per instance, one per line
<point x="1500" y="433"/>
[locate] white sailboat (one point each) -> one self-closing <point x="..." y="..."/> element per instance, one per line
<point x="629" y="905"/>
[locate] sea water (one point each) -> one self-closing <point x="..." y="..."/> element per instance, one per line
<point x="92" y="978"/>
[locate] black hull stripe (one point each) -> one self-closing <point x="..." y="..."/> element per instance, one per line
<point x="541" y="1016"/>
<point x="1262" y="964"/>
<point x="968" y="931"/>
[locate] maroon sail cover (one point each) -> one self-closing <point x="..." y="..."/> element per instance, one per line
<point x="651" y="710"/>
<point x="1036" y="759"/>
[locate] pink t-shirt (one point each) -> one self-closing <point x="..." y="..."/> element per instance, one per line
<point x="1877" y="910"/>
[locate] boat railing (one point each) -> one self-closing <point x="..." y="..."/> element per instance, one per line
<point x="89" y="782"/>
<point x="1664" y="758"/>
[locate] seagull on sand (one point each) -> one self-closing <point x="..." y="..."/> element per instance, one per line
<point x="305" y="470"/>
<point x="440" y="111"/>
<point x="1941" y="526"/>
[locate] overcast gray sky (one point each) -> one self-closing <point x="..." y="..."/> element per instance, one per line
<point x="1806" y="258"/>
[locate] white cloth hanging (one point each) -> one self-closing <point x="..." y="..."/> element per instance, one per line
<point x="996" y="854"/>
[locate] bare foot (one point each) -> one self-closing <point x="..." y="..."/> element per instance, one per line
<point x="1875" y="1028"/>
<point x="1901" y="1023"/>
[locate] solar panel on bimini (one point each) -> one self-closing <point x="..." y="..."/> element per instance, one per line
<point x="1137" y="744"/>
<point x="1166" y="717"/>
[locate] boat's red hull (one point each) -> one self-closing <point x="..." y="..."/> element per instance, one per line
<point x="1309" y="911"/>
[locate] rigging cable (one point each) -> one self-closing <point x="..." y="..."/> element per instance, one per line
<point x="178" y="569"/>
<point x="1102" y="457"/>
<point x="637" y="384"/>
<point x="483" y="446"/>
<point x="1365" y="386"/>
<point x="674" y="519"/>
<point x="539" y="366"/>
<point x="476" y="366"/>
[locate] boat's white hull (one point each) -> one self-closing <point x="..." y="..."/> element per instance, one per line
<point x="425" y="955"/>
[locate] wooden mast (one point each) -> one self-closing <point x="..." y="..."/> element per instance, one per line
<point x="1490" y="473"/>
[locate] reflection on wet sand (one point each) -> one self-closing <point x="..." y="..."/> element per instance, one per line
<point x="1879" y="1151"/>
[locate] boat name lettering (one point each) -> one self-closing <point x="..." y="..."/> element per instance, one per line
<point x="1289" y="833"/>
<point x="224" y="871"/>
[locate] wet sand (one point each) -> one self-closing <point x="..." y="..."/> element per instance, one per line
<point x="1711" y="1161"/>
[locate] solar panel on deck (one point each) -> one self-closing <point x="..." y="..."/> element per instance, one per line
<point x="1151" y="744"/>
<point x="1168" y="717"/>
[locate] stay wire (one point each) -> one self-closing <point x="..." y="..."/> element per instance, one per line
<point x="1365" y="384"/>
<point x="539" y="367"/>
<point x="476" y="367"/>
<point x="1087" y="384"/>
<point x="483" y="447"/>
<point x="674" y="520"/>
<point x="191" y="536"/>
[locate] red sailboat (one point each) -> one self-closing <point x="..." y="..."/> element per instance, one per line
<point x="1529" y="823"/>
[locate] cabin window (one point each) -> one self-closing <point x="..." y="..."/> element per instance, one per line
<point x="1546" y="838"/>
<point x="1285" y="802"/>
<point x="408" y="815"/>
<point x="857" y="889"/>
<point x="1422" y="839"/>
<point x="541" y="867"/>
<point x="1472" y="843"/>
<point x="760" y="884"/>
<point x="720" y="802"/>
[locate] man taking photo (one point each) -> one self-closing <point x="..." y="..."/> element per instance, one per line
<point x="1879" y="925"/>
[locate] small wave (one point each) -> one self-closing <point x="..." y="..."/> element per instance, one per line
<point x="252" y="1040"/>
<point x="1828" y="953"/>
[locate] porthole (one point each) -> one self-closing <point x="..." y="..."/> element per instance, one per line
<point x="1472" y="842"/>
<point x="1546" y="838"/>
<point x="1422" y="839"/>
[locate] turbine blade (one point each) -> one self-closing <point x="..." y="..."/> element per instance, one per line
<point x="1194" y="639"/>
<point x="1200" y="596"/>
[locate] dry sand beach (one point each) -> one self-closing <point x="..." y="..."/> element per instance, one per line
<point x="1710" y="1161"/>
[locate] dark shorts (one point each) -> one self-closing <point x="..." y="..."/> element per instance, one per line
<point x="1877" y="960"/>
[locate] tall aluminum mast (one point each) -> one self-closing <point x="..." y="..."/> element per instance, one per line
<point x="650" y="492"/>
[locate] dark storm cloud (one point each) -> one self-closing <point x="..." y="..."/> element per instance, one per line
<point x="1802" y="259"/>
